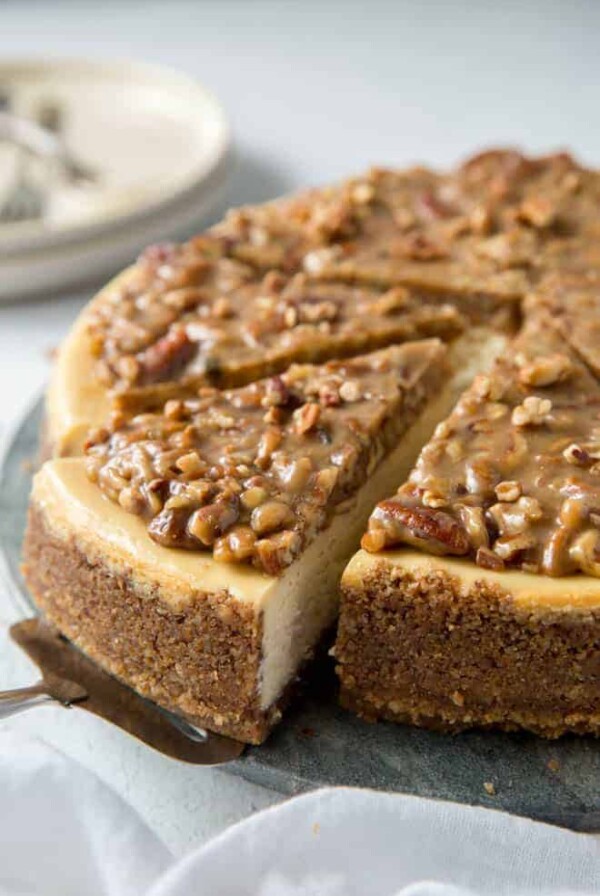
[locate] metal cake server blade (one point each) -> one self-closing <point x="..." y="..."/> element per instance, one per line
<point x="70" y="678"/>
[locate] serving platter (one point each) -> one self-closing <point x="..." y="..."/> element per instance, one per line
<point x="318" y="743"/>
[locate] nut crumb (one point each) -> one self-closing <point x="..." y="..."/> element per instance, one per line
<point x="533" y="412"/>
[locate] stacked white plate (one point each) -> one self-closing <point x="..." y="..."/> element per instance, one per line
<point x="158" y="144"/>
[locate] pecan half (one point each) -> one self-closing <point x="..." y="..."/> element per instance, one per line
<point x="423" y="527"/>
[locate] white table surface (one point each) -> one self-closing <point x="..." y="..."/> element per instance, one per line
<point x="315" y="90"/>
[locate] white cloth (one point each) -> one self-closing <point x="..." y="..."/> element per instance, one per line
<point x="64" y="833"/>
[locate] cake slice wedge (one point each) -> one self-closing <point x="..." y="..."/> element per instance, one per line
<point x="476" y="598"/>
<point x="186" y="316"/>
<point x="175" y="566"/>
<point x="477" y="235"/>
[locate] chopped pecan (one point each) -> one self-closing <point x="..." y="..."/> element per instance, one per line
<point x="576" y="455"/>
<point x="511" y="546"/>
<point x="489" y="560"/>
<point x="539" y="211"/>
<point x="545" y="371"/>
<point x="533" y="412"/>
<point x="167" y="357"/>
<point x="276" y="393"/>
<point x="350" y="391"/>
<point x="208" y="523"/>
<point x="236" y="546"/>
<point x="270" y="516"/>
<point x="585" y="552"/>
<point x="514" y="248"/>
<point x="307" y="417"/>
<point x="508" y="490"/>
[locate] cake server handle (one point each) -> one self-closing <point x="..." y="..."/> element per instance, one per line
<point x="44" y="691"/>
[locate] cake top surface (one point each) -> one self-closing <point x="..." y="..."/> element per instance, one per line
<point x="252" y="473"/>
<point x="213" y="325"/>
<point x="389" y="256"/>
<point x="482" y="228"/>
<point x="190" y="316"/>
<point x="512" y="477"/>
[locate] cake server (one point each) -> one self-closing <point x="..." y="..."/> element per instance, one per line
<point x="70" y="678"/>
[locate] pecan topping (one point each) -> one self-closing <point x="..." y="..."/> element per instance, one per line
<point x="339" y="271"/>
<point x="208" y="473"/>
<point x="513" y="489"/>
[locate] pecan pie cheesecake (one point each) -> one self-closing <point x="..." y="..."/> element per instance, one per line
<point x="224" y="416"/>
<point x="475" y="599"/>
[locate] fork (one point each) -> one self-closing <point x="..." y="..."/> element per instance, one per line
<point x="25" y="200"/>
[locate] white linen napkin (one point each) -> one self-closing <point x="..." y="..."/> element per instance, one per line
<point x="64" y="833"/>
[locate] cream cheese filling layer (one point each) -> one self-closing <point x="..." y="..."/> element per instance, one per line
<point x="525" y="589"/>
<point x="75" y="400"/>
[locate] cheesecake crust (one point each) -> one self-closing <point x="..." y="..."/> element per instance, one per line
<point x="200" y="659"/>
<point x="424" y="647"/>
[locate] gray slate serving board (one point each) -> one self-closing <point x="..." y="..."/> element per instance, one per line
<point x="318" y="743"/>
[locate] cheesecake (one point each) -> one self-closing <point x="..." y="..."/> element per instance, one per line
<point x="195" y="554"/>
<point x="228" y="416"/>
<point x="475" y="600"/>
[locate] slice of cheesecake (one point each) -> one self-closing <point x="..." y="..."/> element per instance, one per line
<point x="476" y="597"/>
<point x="186" y="316"/>
<point x="477" y="234"/>
<point x="203" y="578"/>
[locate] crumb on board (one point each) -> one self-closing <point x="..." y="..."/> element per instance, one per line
<point x="489" y="788"/>
<point x="553" y="765"/>
<point x="316" y="827"/>
<point x="308" y="732"/>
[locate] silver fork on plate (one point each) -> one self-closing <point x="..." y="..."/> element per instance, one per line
<point x="26" y="199"/>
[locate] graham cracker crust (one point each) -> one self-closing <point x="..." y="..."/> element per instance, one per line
<point x="418" y="649"/>
<point x="202" y="662"/>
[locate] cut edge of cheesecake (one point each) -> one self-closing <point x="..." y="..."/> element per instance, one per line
<point x="138" y="608"/>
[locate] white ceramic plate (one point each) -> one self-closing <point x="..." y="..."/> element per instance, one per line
<point x="159" y="143"/>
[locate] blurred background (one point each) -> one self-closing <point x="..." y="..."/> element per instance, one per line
<point x="305" y="93"/>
